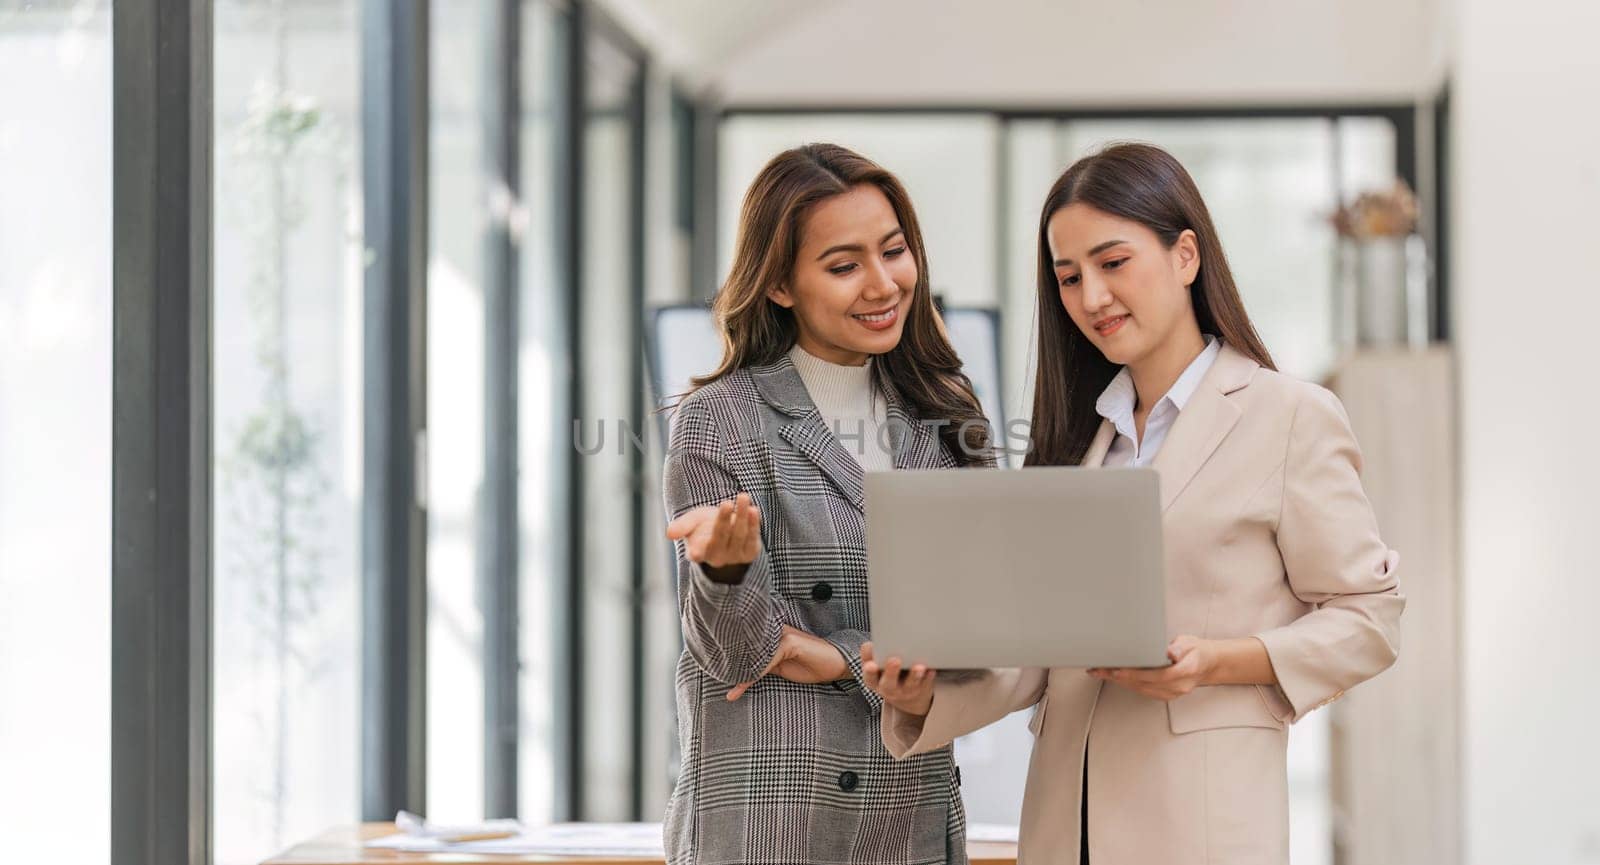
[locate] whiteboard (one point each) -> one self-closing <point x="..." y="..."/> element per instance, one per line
<point x="684" y="343"/>
<point x="975" y="333"/>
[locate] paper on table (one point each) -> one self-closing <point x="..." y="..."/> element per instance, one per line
<point x="643" y="840"/>
<point x="415" y="826"/>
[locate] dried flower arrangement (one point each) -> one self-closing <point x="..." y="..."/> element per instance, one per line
<point x="1388" y="212"/>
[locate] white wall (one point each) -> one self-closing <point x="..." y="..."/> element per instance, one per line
<point x="1089" y="51"/>
<point x="1526" y="138"/>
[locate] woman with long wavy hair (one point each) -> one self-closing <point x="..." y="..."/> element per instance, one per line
<point x="834" y="364"/>
<point x="1280" y="594"/>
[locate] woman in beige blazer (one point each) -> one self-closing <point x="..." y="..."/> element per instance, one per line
<point x="1280" y="594"/>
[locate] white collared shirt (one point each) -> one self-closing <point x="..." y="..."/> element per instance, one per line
<point x="1117" y="402"/>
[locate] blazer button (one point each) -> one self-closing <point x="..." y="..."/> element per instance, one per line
<point x="848" y="781"/>
<point x="821" y="592"/>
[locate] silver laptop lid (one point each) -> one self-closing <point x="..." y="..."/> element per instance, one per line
<point x="1051" y="567"/>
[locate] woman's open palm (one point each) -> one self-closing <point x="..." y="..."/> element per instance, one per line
<point x="720" y="536"/>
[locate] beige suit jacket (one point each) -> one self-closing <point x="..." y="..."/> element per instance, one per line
<point x="1268" y="534"/>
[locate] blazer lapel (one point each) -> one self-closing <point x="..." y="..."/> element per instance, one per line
<point x="914" y="445"/>
<point x="1202" y="424"/>
<point x="1096" y="455"/>
<point x="780" y="385"/>
<point x="810" y="435"/>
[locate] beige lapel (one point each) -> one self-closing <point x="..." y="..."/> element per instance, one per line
<point x="1096" y="455"/>
<point x="1202" y="424"/>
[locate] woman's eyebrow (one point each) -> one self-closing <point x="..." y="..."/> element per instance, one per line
<point x="856" y="247"/>
<point x="1099" y="248"/>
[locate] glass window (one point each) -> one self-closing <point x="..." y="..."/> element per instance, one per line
<point x="287" y="426"/>
<point x="1366" y="155"/>
<point x="543" y="417"/>
<point x="1271" y="187"/>
<point x="458" y="235"/>
<point x="55" y="428"/>
<point x="609" y="354"/>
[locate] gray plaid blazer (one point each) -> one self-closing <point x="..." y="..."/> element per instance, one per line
<point x="790" y="773"/>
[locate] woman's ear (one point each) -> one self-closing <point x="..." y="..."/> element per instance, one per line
<point x="1187" y="256"/>
<point x="781" y="296"/>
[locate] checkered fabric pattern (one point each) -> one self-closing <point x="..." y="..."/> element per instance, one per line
<point x="790" y="774"/>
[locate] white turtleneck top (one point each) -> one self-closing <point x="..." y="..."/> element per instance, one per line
<point x="851" y="406"/>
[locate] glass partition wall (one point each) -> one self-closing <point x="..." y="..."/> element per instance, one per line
<point x="611" y="431"/>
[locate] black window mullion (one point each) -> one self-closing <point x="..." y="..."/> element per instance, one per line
<point x="498" y="547"/>
<point x="1440" y="326"/>
<point x="569" y="719"/>
<point x="161" y="433"/>
<point x="636" y="421"/>
<point x="1405" y="144"/>
<point x="703" y="245"/>
<point x="394" y="115"/>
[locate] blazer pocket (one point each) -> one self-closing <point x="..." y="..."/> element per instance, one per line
<point x="1213" y="707"/>
<point x="1036" y="723"/>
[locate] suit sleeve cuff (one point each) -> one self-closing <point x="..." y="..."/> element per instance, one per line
<point x="848" y="642"/>
<point x="1299" y="690"/>
<point x="755" y="579"/>
<point x="906" y="735"/>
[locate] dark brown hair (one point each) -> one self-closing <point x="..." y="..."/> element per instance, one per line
<point x="923" y="368"/>
<point x="1145" y="184"/>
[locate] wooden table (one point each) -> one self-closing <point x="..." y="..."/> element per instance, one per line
<point x="342" y="846"/>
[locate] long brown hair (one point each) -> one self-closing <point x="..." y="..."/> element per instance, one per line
<point x="1145" y="184"/>
<point x="922" y="369"/>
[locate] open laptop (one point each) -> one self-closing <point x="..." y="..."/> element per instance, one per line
<point x="1046" y="567"/>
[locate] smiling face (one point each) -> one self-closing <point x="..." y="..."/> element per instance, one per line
<point x="1126" y="290"/>
<point x="853" y="279"/>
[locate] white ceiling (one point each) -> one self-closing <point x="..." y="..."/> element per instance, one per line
<point x="1048" y="52"/>
<point x="697" y="39"/>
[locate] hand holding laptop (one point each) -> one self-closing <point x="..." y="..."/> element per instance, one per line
<point x="1192" y="661"/>
<point x="909" y="690"/>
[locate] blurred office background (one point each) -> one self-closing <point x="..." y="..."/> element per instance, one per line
<point x="441" y="231"/>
